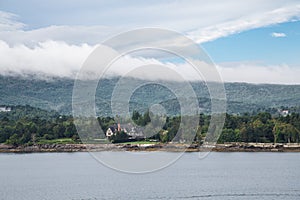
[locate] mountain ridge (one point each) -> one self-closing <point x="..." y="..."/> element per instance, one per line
<point x="56" y="94"/>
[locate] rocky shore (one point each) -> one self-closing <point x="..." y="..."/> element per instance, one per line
<point x="230" y="147"/>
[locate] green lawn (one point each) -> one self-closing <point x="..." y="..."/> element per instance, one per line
<point x="70" y="141"/>
<point x="57" y="141"/>
<point x="140" y="142"/>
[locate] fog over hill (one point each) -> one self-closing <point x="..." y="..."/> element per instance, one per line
<point x="56" y="94"/>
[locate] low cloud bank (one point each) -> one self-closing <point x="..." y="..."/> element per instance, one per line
<point x="59" y="59"/>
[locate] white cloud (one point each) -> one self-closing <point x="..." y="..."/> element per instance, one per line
<point x="61" y="50"/>
<point x="199" y="19"/>
<point x="259" y="73"/>
<point x="8" y="22"/>
<point x="68" y="34"/>
<point x="247" y="22"/>
<point x="61" y="59"/>
<point x="278" y="35"/>
<point x="51" y="57"/>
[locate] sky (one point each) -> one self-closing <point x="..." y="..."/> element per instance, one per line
<point x="249" y="41"/>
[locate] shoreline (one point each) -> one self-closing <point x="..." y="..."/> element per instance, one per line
<point x="230" y="147"/>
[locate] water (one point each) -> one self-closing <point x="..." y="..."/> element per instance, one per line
<point x="78" y="176"/>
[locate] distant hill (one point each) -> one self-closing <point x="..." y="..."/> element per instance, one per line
<point x="56" y="94"/>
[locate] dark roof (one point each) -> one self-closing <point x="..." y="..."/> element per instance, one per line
<point x="113" y="128"/>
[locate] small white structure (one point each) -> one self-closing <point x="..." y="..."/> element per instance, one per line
<point x="5" y="109"/>
<point x="111" y="131"/>
<point x="284" y="113"/>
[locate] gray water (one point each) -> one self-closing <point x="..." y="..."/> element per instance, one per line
<point x="219" y="176"/>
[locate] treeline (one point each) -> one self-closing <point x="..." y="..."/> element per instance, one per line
<point x="35" y="130"/>
<point x="37" y="125"/>
<point x="261" y="128"/>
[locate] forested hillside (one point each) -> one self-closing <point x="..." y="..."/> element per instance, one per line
<point x="56" y="94"/>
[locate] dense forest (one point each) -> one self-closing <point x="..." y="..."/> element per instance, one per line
<point x="25" y="125"/>
<point x="56" y="94"/>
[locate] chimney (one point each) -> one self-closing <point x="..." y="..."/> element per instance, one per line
<point x="119" y="127"/>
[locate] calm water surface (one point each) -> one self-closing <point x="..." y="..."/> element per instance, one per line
<point x="219" y="176"/>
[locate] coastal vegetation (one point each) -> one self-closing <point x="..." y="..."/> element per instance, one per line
<point x="25" y="125"/>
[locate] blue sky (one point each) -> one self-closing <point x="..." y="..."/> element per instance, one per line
<point x="258" y="45"/>
<point x="240" y="36"/>
<point x="251" y="45"/>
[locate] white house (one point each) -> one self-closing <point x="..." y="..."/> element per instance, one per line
<point x="111" y="131"/>
<point x="5" y="109"/>
<point x="129" y="129"/>
<point x="284" y="113"/>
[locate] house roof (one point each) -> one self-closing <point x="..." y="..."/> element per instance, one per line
<point x="113" y="128"/>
